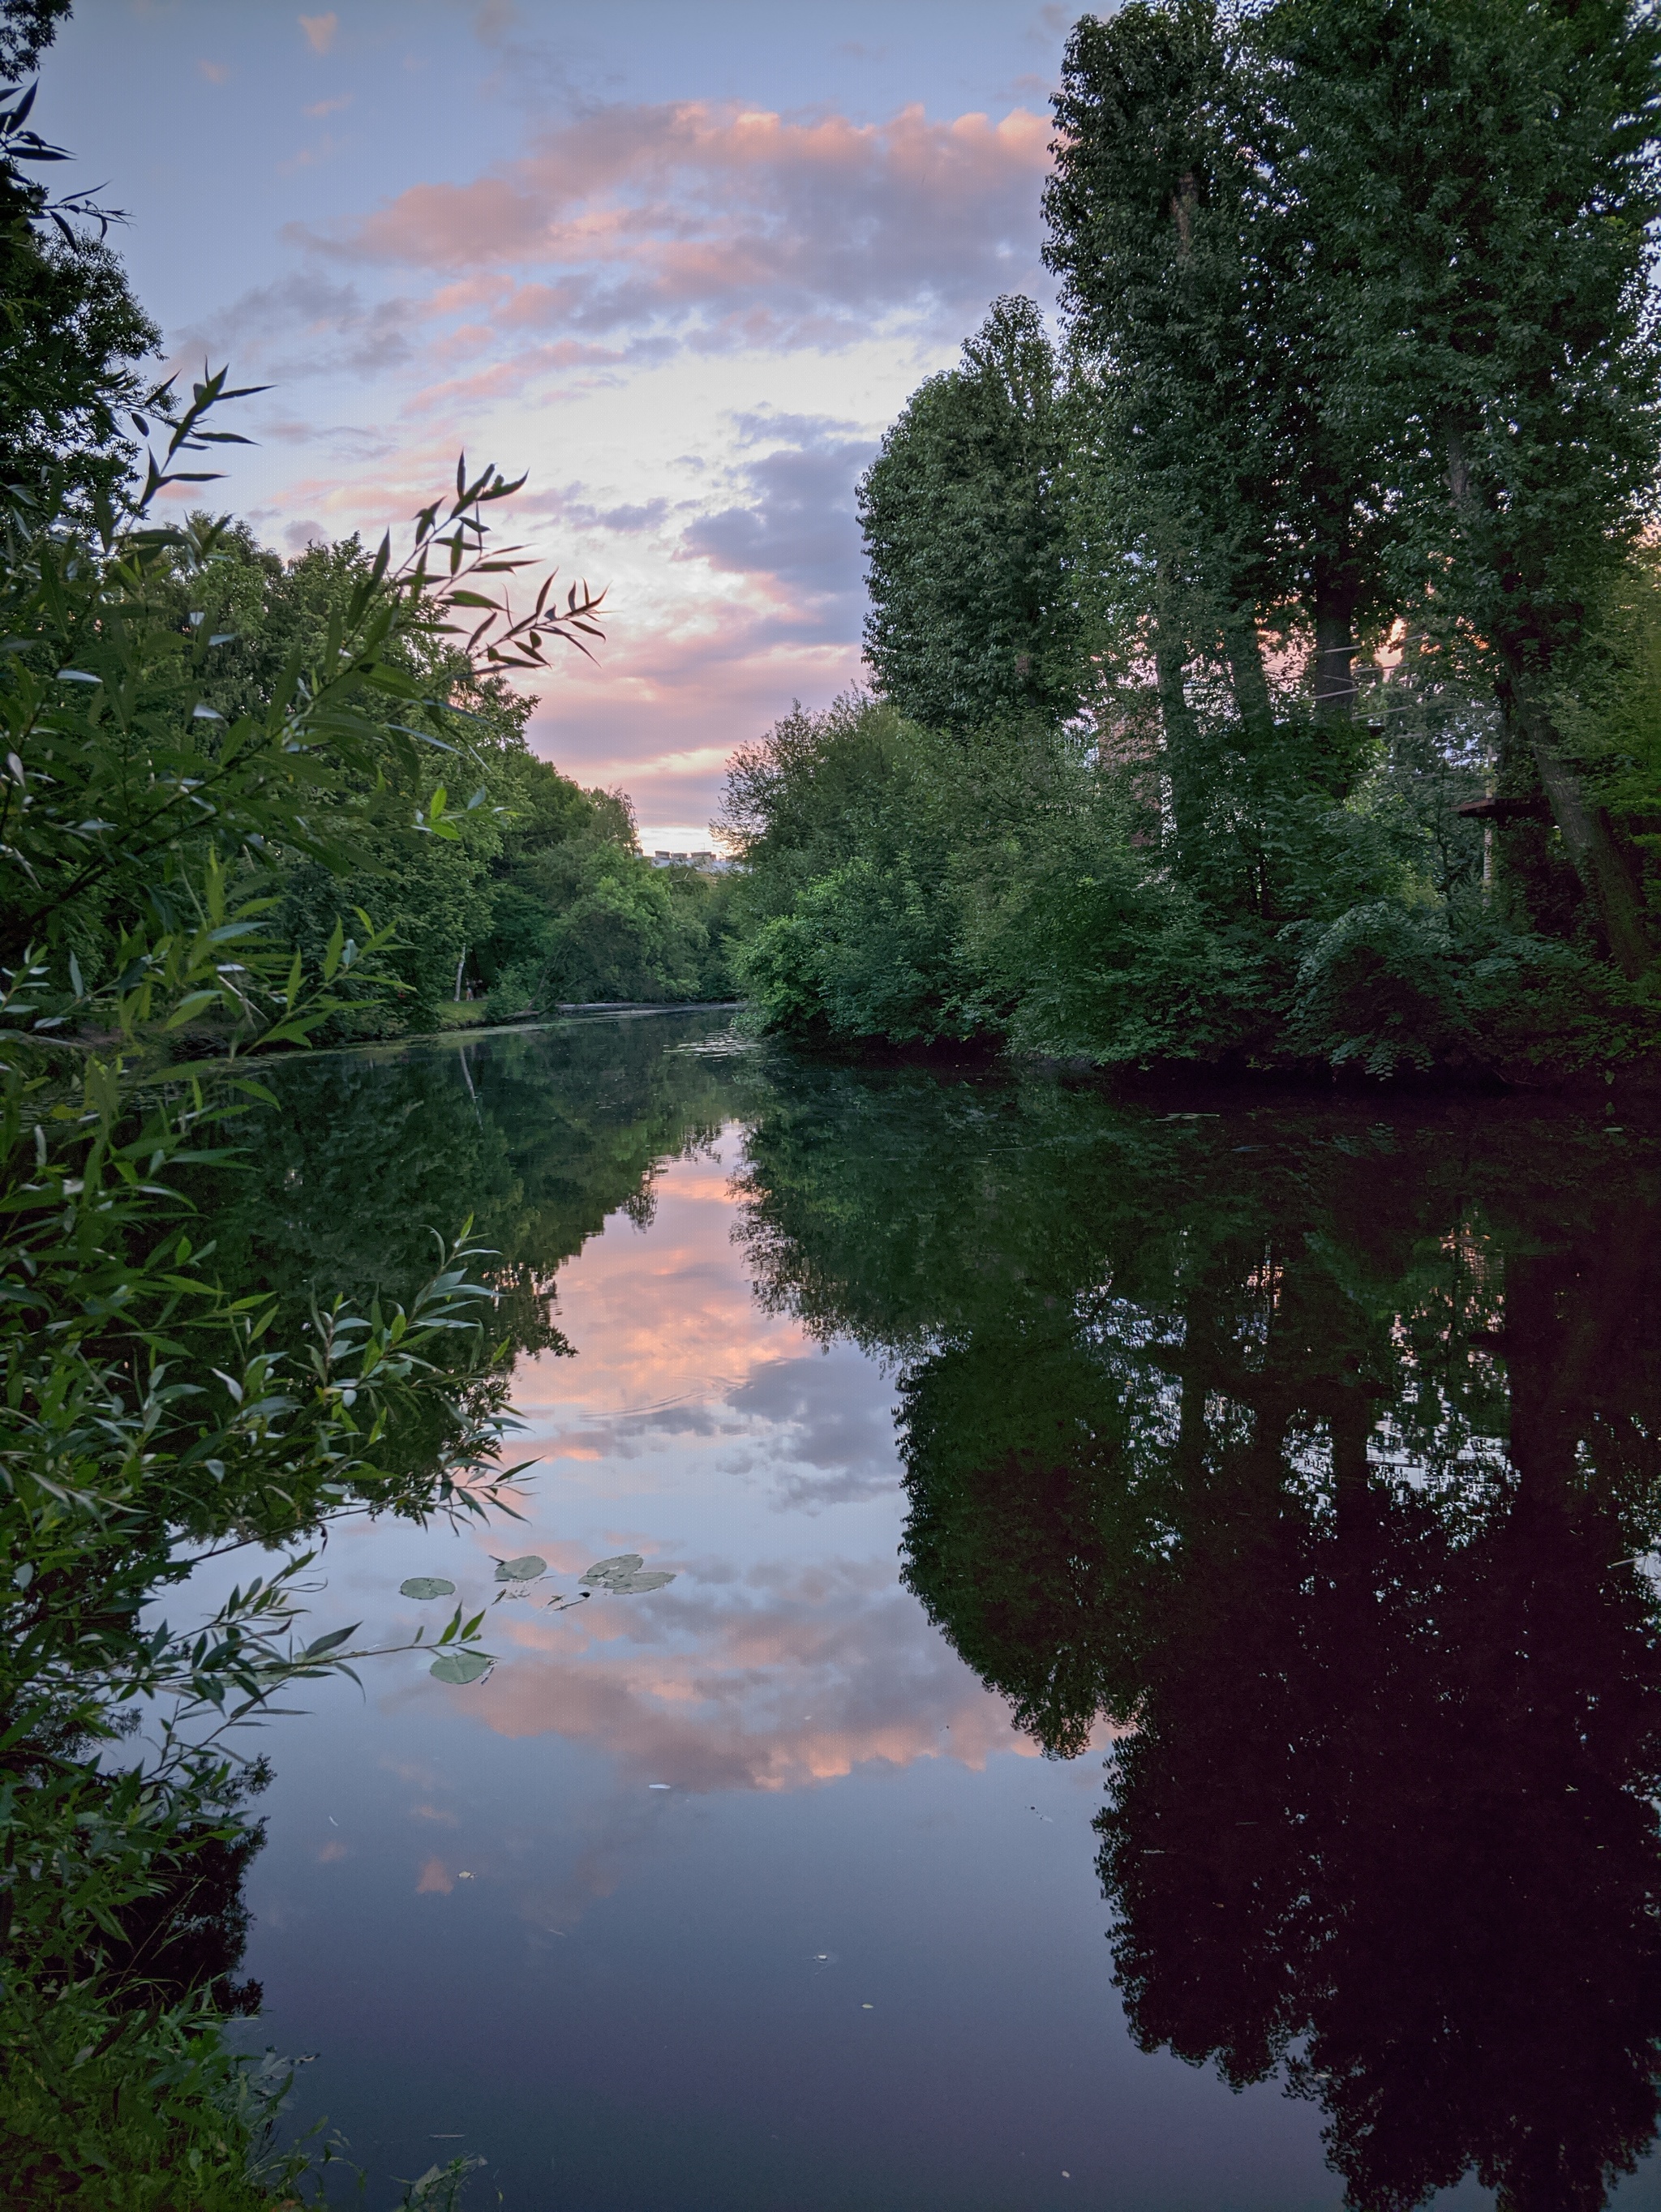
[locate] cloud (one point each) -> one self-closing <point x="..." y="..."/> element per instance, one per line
<point x="320" y="31"/>
<point x="730" y="226"/>
<point x="624" y="239"/>
<point x="322" y="107"/>
<point x="798" y="526"/>
<point x="304" y="325"/>
<point x="783" y="1679"/>
<point x="830" y="1435"/>
<point x="215" y="72"/>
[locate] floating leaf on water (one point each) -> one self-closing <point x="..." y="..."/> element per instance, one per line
<point x="605" y="1571"/>
<point x="624" y="1574"/>
<point x="520" y="1571"/>
<point x="426" y="1586"/>
<point x="459" y="1667"/>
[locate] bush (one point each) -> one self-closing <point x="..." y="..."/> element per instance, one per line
<point x="1105" y="958"/>
<point x="1380" y="989"/>
<point x="519" y="989"/>
<point x="865" y="953"/>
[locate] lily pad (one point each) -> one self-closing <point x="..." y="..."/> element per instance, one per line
<point x="426" y="1586"/>
<point x="520" y="1571"/>
<point x="459" y="1667"/>
<point x="606" y="1572"/>
<point x="626" y="1575"/>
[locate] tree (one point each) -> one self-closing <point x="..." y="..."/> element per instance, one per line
<point x="1255" y="499"/>
<point x="1144" y="218"/>
<point x="979" y="601"/>
<point x="153" y="1411"/>
<point x="28" y="27"/>
<point x="72" y="337"/>
<point x="1480" y="183"/>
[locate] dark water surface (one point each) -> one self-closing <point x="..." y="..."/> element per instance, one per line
<point x="1160" y="1696"/>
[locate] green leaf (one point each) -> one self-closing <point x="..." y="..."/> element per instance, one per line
<point x="605" y="1571"/>
<point x="461" y="1667"/>
<point x="330" y="1643"/>
<point x="425" y="1586"/>
<point x="520" y="1571"/>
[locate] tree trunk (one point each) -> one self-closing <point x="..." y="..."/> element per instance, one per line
<point x="1245" y="668"/>
<point x="1176" y="715"/>
<point x="1335" y="641"/>
<point x="1587" y="832"/>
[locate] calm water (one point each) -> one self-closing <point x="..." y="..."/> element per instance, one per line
<point x="1159" y="1704"/>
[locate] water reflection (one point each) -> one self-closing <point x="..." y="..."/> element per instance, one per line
<point x="1317" y="1452"/>
<point x="1299" y="1458"/>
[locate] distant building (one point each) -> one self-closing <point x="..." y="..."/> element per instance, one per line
<point x="708" y="864"/>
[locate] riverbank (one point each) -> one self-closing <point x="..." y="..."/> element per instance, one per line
<point x="472" y="1015"/>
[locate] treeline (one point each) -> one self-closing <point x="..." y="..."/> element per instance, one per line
<point x="490" y="876"/>
<point x="1266" y="673"/>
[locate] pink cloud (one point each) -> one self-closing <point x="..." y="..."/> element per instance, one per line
<point x="664" y="714"/>
<point x="503" y="378"/>
<point x="319" y="31"/>
<point x="761" y="228"/>
<point x="618" y="239"/>
<point x="773" y="1688"/>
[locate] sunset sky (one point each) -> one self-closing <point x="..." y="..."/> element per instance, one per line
<point x="682" y="260"/>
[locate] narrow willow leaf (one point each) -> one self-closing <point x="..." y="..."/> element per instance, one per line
<point x="323" y="1643"/>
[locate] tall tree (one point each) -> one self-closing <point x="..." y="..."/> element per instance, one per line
<point x="977" y="608"/>
<point x="1144" y="233"/>
<point x="1479" y="180"/>
<point x="1183" y="277"/>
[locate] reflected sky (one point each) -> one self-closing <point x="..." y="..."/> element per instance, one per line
<point x="851" y="1954"/>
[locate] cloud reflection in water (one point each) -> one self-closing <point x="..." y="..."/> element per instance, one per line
<point x="767" y="1665"/>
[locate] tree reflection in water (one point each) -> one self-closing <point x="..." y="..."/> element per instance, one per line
<point x="1313" y="1448"/>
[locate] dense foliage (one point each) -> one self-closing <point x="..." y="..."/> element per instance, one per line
<point x="486" y="869"/>
<point x="157" y="1410"/>
<point x="1263" y="676"/>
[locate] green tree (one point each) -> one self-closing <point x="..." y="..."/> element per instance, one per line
<point x="153" y="1410"/>
<point x="1480" y="184"/>
<point x="72" y="337"/>
<point x="979" y="597"/>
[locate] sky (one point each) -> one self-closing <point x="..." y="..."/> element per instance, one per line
<point x="680" y="261"/>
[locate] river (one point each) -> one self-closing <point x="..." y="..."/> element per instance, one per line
<point x="1158" y="1701"/>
